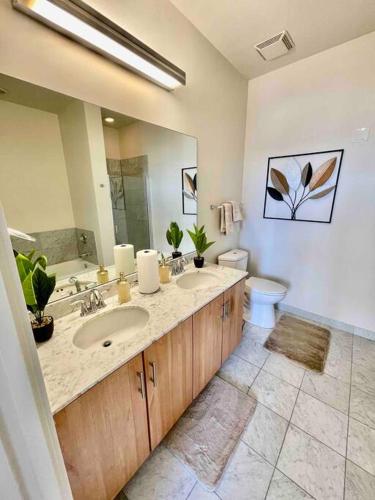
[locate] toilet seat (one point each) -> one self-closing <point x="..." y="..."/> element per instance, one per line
<point x="266" y="287"/>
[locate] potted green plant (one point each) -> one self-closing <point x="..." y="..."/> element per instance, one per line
<point x="201" y="244"/>
<point x="174" y="238"/>
<point x="37" y="288"/>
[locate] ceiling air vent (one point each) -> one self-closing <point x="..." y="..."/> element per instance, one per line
<point x="276" y="46"/>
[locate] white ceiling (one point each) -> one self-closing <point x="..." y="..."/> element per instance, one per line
<point x="235" y="26"/>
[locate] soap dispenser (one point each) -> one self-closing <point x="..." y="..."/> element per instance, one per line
<point x="123" y="289"/>
<point x="102" y="275"/>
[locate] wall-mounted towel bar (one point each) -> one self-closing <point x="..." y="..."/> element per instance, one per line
<point x="212" y="207"/>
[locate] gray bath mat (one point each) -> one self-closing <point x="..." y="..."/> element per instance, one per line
<point x="207" y="433"/>
<point x="301" y="341"/>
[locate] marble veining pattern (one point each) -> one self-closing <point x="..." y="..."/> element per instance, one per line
<point x="274" y="393"/>
<point x="265" y="433"/>
<point x="238" y="372"/>
<point x="327" y="389"/>
<point x="282" y="488"/>
<point x="69" y="371"/>
<point x="361" y="445"/>
<point x="311" y="464"/>
<point x="321" y="421"/>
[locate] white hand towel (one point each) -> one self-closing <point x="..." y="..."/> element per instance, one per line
<point x="237" y="212"/>
<point x="228" y="216"/>
<point x="222" y="219"/>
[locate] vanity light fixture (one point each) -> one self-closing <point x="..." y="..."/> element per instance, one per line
<point x="84" y="24"/>
<point x="109" y="119"/>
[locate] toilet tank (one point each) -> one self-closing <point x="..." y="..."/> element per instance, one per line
<point x="234" y="258"/>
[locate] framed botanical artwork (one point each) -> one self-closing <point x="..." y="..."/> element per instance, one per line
<point x="302" y="187"/>
<point x="189" y="191"/>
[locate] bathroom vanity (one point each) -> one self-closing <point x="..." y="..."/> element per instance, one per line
<point x="112" y="406"/>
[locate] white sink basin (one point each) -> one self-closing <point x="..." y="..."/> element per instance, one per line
<point x="197" y="279"/>
<point x="116" y="325"/>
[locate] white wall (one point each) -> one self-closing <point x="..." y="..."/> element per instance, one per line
<point x="314" y="105"/>
<point x="111" y="143"/>
<point x="212" y="107"/>
<point x="34" y="186"/>
<point x="83" y="144"/>
<point x="168" y="152"/>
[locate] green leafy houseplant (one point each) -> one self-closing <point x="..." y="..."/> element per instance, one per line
<point x="37" y="288"/>
<point x="201" y="244"/>
<point x="174" y="238"/>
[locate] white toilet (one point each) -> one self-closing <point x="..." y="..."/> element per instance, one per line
<point x="260" y="294"/>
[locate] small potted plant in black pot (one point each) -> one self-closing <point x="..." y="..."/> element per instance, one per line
<point x="174" y="238"/>
<point x="37" y="288"/>
<point x="201" y="244"/>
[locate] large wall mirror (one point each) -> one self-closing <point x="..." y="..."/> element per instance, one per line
<point x="81" y="179"/>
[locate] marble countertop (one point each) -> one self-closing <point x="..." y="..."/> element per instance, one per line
<point x="70" y="371"/>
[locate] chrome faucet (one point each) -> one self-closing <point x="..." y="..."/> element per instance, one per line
<point x="73" y="280"/>
<point x="178" y="266"/>
<point x="90" y="303"/>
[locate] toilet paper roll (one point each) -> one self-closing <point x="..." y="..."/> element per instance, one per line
<point x="148" y="271"/>
<point x="124" y="259"/>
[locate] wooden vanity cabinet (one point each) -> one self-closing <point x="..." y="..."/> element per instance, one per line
<point x="232" y="321"/>
<point x="104" y="433"/>
<point x="169" y="379"/>
<point x="207" y="343"/>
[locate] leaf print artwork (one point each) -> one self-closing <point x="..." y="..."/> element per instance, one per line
<point x="301" y="181"/>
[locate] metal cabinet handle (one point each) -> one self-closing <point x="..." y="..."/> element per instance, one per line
<point x="154" y="373"/>
<point x="227" y="308"/>
<point x="141" y="389"/>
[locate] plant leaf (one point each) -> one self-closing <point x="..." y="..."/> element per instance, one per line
<point x="188" y="195"/>
<point x="321" y="193"/>
<point x="279" y="181"/>
<point x="275" y="194"/>
<point x="43" y="286"/>
<point x="323" y="173"/>
<point x="195" y="182"/>
<point x="24" y="266"/>
<point x="28" y="290"/>
<point x="189" y="182"/>
<point x="306" y="174"/>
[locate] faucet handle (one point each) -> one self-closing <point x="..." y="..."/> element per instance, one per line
<point x="82" y="303"/>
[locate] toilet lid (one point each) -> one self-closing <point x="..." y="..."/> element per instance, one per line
<point x="267" y="287"/>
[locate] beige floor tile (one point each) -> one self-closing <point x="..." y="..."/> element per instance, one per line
<point x="361" y="445"/>
<point x="363" y="377"/>
<point x="282" y="488"/>
<point x="338" y="363"/>
<point x="247" y="476"/>
<point x="362" y="407"/>
<point x="265" y="433"/>
<point x="274" y="393"/>
<point x="328" y="389"/>
<point x="359" y="484"/>
<point x="312" y="465"/>
<point x="238" y="372"/>
<point x="163" y="477"/>
<point x="252" y="352"/>
<point x="321" y="421"/>
<point x="282" y="367"/>
<point x="200" y="493"/>
<point x="256" y="333"/>
<point x="363" y="352"/>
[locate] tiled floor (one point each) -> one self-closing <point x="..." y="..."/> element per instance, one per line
<point x="311" y="436"/>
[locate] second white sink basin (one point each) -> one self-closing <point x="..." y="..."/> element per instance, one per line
<point x="116" y="325"/>
<point x="197" y="279"/>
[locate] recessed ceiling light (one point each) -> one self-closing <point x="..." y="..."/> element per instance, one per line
<point x="109" y="119"/>
<point x="81" y="22"/>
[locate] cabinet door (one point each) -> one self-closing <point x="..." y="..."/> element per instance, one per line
<point x="207" y="343"/>
<point x="168" y="365"/>
<point x="104" y="434"/>
<point x="232" y="323"/>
